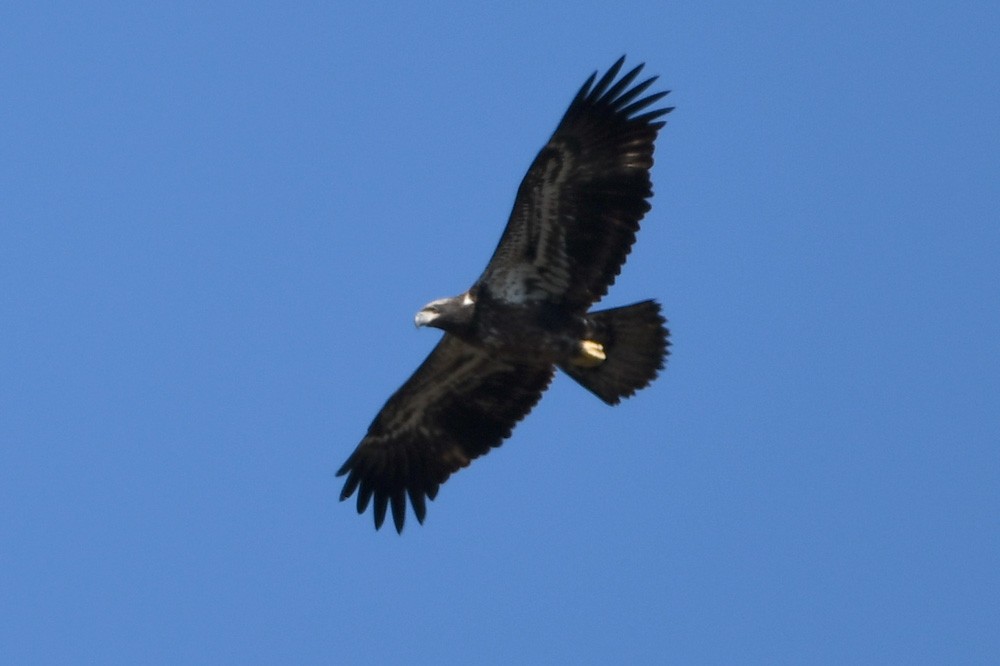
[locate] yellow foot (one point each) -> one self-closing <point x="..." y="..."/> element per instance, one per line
<point x="590" y="354"/>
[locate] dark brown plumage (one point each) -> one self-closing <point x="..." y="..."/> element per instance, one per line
<point x="572" y="226"/>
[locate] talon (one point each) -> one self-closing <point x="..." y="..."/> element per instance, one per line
<point x="590" y="354"/>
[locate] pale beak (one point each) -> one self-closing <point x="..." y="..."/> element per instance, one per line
<point x="425" y="317"/>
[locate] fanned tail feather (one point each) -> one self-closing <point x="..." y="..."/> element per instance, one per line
<point x="634" y="340"/>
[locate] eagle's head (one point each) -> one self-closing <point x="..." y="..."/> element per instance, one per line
<point x="449" y="314"/>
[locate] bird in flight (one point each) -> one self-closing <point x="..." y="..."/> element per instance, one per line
<point x="574" y="221"/>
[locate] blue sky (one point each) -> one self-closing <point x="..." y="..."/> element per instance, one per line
<point x="218" y="219"/>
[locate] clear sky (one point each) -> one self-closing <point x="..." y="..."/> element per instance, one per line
<point x="218" y="219"/>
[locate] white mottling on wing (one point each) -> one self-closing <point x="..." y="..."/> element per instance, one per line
<point x="532" y="265"/>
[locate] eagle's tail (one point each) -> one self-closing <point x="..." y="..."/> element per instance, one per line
<point x="624" y="349"/>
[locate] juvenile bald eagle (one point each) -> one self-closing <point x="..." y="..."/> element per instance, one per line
<point x="574" y="221"/>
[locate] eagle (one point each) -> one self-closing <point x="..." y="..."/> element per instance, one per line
<point x="574" y="221"/>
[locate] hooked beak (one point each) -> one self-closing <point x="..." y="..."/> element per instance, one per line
<point x="425" y="317"/>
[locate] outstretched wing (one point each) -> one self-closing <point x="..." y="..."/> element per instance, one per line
<point x="578" y="208"/>
<point x="458" y="405"/>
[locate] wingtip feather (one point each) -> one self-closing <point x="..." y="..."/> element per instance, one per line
<point x="602" y="85"/>
<point x="380" y="508"/>
<point x="399" y="509"/>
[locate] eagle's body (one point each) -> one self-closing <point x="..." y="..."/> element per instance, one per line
<point x="542" y="334"/>
<point x="574" y="221"/>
